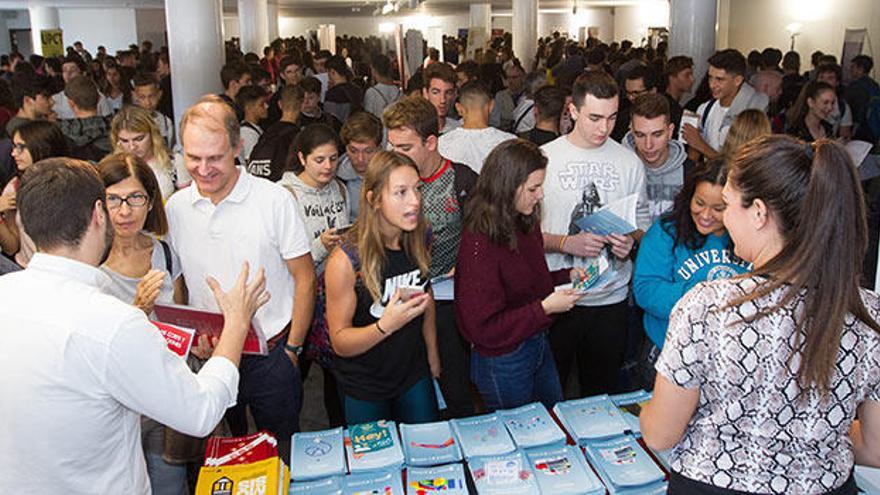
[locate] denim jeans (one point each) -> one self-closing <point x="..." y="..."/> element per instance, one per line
<point x="417" y="404"/>
<point x="525" y="375"/>
<point x="165" y="478"/>
<point x="271" y="388"/>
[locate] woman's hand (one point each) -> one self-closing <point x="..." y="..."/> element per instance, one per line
<point x="621" y="245"/>
<point x="397" y="314"/>
<point x="7" y="202"/>
<point x="204" y="347"/>
<point x="329" y="238"/>
<point x="148" y="290"/>
<point x="584" y="245"/>
<point x="560" y="301"/>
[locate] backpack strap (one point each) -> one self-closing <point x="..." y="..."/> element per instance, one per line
<point x="166" y="250"/>
<point x="464" y="182"/>
<point x="522" y="116"/>
<point x="705" y="117"/>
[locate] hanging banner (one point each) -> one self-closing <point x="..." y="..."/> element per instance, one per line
<point x="853" y="41"/>
<point x="52" y="42"/>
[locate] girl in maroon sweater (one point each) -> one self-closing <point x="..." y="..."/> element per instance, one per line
<point x="504" y="297"/>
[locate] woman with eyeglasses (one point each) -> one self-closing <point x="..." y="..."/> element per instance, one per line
<point x="141" y="270"/>
<point x="32" y="141"/>
<point x="135" y="132"/>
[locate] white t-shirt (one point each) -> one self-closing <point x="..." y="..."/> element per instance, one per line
<point x="250" y="134"/>
<point x="471" y="146"/>
<point x="579" y="181"/>
<point x="258" y="222"/>
<point x="379" y="97"/>
<point x="714" y="133"/>
<point x="838" y="120"/>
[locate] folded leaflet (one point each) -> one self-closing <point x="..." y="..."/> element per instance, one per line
<point x="317" y="454"/>
<point x="429" y="444"/>
<point x="448" y="479"/>
<point x="482" y="435"/>
<point x="532" y="426"/>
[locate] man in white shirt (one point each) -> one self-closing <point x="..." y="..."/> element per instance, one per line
<point x="228" y="217"/>
<point x="78" y="367"/>
<point x="472" y="143"/>
<point x="71" y="69"/>
<point x="585" y="172"/>
<point x="730" y="96"/>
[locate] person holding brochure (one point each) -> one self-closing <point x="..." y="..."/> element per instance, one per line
<point x="231" y="216"/>
<point x="67" y="350"/>
<point x="762" y="376"/>
<point x="684" y="247"/>
<point x="505" y="302"/>
<point x="380" y="311"/>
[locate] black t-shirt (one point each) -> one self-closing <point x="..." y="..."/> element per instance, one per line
<point x="539" y="136"/>
<point x="675" y="111"/>
<point x="325" y="118"/>
<point x="393" y="365"/>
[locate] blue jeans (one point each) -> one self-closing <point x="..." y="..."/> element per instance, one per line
<point x="270" y="386"/>
<point x="165" y="478"/>
<point x="417" y="405"/>
<point x="527" y="374"/>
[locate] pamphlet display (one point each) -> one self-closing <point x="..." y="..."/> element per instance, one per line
<point x="429" y="444"/>
<point x="324" y="486"/>
<point x="373" y="446"/>
<point x="624" y="466"/>
<point x="532" y="426"/>
<point x="449" y="479"/>
<point x="482" y="435"/>
<point x="563" y="471"/>
<point x="507" y="474"/>
<point x="269" y="476"/>
<point x="380" y="482"/>
<point x="590" y="419"/>
<point x="317" y="454"/>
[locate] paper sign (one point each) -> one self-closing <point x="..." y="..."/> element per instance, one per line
<point x="179" y="339"/>
<point x="208" y="323"/>
<point x="687" y="117"/>
<point x="52" y="42"/>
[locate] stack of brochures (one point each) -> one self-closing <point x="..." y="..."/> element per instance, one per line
<point x="379" y="482"/>
<point x="482" y="435"/>
<point x="562" y="470"/>
<point x="532" y="426"/>
<point x="630" y="405"/>
<point x="317" y="454"/>
<point x="591" y="419"/>
<point x="429" y="444"/>
<point x="325" y="486"/>
<point x="625" y="467"/>
<point x="507" y="474"/>
<point x="448" y="479"/>
<point x="373" y="446"/>
<point x="269" y="476"/>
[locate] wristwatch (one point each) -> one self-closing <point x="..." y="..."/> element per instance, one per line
<point x="295" y="349"/>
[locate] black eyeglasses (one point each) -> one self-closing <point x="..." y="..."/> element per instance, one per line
<point x="135" y="200"/>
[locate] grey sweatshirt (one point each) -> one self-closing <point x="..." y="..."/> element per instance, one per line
<point x="321" y="208"/>
<point x="663" y="182"/>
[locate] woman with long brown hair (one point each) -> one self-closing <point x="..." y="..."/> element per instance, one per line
<point x="380" y="311"/>
<point x="504" y="297"/>
<point x="762" y="375"/>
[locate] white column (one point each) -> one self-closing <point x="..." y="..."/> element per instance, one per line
<point x="253" y="22"/>
<point x="273" y="21"/>
<point x="195" y="33"/>
<point x="692" y="31"/>
<point x="525" y="31"/>
<point x="42" y="18"/>
<point x="481" y="17"/>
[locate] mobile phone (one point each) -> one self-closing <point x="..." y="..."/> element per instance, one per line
<point x="344" y="229"/>
<point x="409" y="292"/>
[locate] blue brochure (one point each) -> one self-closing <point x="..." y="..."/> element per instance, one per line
<point x="563" y="471"/>
<point x="482" y="435"/>
<point x="592" y="418"/>
<point x="441" y="401"/>
<point x="630" y="406"/>
<point x="316" y="455"/>
<point x="448" y="479"/>
<point x="429" y="444"/>
<point x="507" y="474"/>
<point x="623" y="464"/>
<point x="604" y="222"/>
<point x="532" y="426"/>
<point x="443" y="287"/>
<point x="373" y="446"/>
<point x="324" y="486"/>
<point x="380" y="482"/>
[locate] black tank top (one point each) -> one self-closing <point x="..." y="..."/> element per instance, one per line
<point x="393" y="365"/>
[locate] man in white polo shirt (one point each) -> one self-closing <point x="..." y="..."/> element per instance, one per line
<point x="228" y="217"/>
<point x="78" y="367"/>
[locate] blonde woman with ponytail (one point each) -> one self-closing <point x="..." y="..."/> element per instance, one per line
<point x="380" y="310"/>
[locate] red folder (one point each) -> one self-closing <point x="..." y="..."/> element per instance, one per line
<point x="208" y="323"/>
<point x="179" y="339"/>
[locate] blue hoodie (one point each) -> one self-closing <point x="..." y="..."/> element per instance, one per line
<point x="665" y="272"/>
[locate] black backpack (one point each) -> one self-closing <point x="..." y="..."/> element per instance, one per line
<point x="271" y="153"/>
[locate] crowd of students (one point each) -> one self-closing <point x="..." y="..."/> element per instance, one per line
<point x="328" y="197"/>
